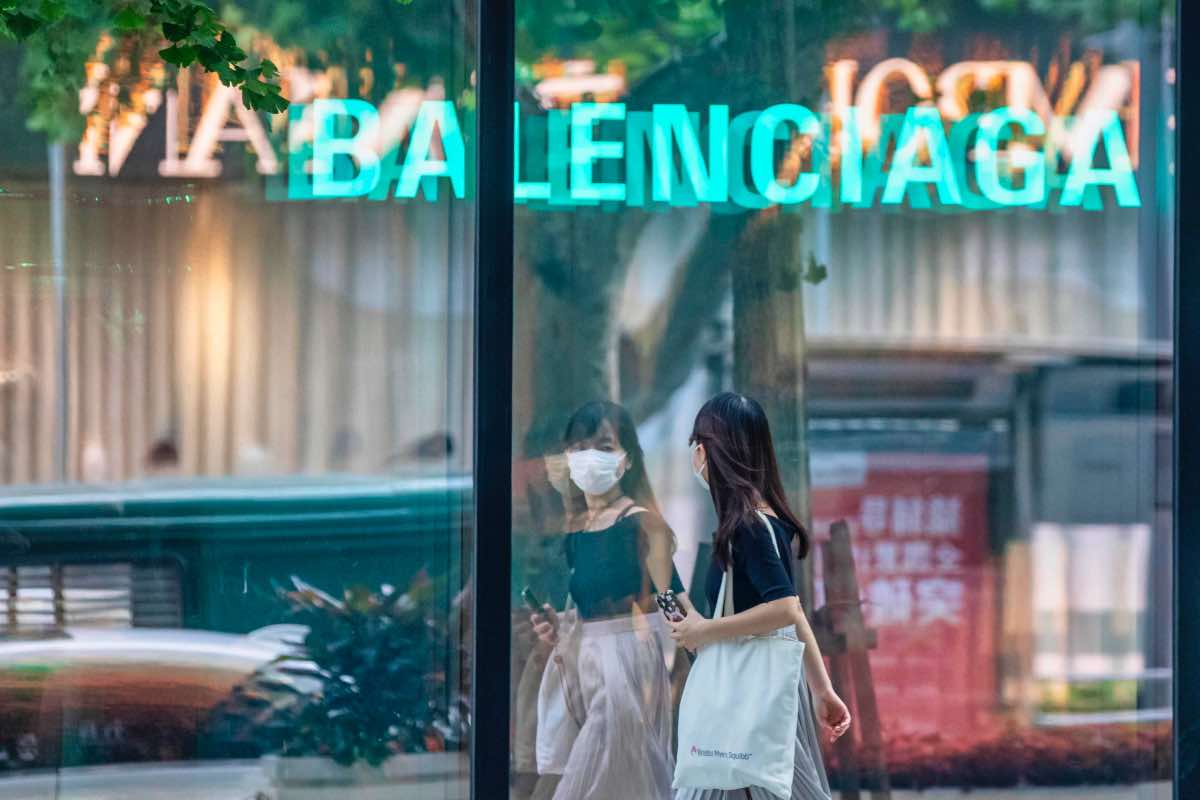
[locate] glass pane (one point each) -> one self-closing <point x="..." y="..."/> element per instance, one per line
<point x="235" y="425"/>
<point x="934" y="240"/>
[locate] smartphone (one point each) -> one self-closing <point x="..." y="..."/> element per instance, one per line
<point x="669" y="605"/>
<point x="532" y="600"/>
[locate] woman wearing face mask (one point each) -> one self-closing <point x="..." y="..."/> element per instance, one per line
<point x="610" y="665"/>
<point x="734" y="457"/>
<point x="551" y="509"/>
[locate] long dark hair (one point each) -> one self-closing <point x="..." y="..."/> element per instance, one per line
<point x="586" y="422"/>
<point x="741" y="464"/>
<point x="547" y="508"/>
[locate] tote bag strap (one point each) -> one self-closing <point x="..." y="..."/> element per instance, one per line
<point x="724" y="594"/>
<point x="770" y="532"/>
<point x="725" y="604"/>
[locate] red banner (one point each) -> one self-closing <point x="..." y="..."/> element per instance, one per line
<point x="919" y="529"/>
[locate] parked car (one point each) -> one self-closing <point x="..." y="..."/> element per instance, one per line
<point x="121" y="713"/>
<point x="85" y="697"/>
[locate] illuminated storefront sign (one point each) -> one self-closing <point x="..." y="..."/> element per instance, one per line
<point x="604" y="153"/>
<point x="1078" y="149"/>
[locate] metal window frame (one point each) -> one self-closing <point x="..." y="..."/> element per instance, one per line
<point x="1186" y="557"/>
<point x="491" y="610"/>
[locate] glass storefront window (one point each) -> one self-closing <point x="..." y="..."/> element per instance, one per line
<point x="235" y="415"/>
<point x="238" y="470"/>
<point x="936" y="242"/>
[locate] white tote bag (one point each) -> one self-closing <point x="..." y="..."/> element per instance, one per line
<point x="737" y="718"/>
<point x="560" y="700"/>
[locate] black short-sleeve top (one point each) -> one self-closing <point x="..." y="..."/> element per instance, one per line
<point x="760" y="575"/>
<point x="608" y="566"/>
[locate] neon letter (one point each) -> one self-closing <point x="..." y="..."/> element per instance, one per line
<point x="522" y="191"/>
<point x="852" y="156"/>
<point x="418" y="164"/>
<point x="739" y="193"/>
<point x="1119" y="174"/>
<point x="327" y="145"/>
<point x="762" y="153"/>
<point x="905" y="170"/>
<point x="671" y="122"/>
<point x="991" y="127"/>
<point x="585" y="150"/>
<point x="871" y="92"/>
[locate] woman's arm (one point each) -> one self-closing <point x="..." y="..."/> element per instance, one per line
<point x="694" y="631"/>
<point x="814" y="663"/>
<point x="759" y="557"/>
<point x="660" y="550"/>
<point x="660" y="563"/>
<point x="832" y="714"/>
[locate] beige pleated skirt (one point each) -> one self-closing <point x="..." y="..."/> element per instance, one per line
<point x="623" y="748"/>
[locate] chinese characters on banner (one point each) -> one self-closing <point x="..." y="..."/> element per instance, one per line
<point x="919" y="528"/>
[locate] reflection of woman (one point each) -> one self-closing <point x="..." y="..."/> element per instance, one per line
<point x="733" y="455"/>
<point x="611" y="667"/>
<point x="552" y="509"/>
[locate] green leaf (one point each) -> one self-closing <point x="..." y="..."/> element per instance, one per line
<point x="53" y="11"/>
<point x="181" y="55"/>
<point x="230" y="75"/>
<point x="588" y="31"/>
<point x="209" y="58"/>
<point x="268" y="68"/>
<point x="816" y="271"/>
<point x="23" y="25"/>
<point x="129" y="19"/>
<point x="202" y="15"/>
<point x="227" y="46"/>
<point x="175" y="32"/>
<point x="274" y="103"/>
<point x="256" y="87"/>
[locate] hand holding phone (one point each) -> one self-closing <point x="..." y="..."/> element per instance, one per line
<point x="531" y="600"/>
<point x="670" y="605"/>
<point x="545" y="621"/>
<point x="674" y="613"/>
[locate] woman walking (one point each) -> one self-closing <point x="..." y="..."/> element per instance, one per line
<point x="734" y="457"/>
<point x="604" y="720"/>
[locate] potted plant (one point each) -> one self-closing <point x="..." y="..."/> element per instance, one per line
<point x="360" y="701"/>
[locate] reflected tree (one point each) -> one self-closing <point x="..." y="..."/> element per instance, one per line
<point x="60" y="36"/>
<point x="581" y="258"/>
<point x="671" y="50"/>
<point x="758" y="54"/>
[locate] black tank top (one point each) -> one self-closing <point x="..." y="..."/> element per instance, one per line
<point x="608" y="569"/>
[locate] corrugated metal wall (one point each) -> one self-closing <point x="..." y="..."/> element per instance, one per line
<point x="1060" y="280"/>
<point x="257" y="337"/>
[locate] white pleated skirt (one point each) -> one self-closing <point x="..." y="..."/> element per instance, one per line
<point x="623" y="748"/>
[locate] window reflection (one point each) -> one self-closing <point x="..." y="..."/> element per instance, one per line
<point x="234" y="422"/>
<point x="941" y="269"/>
<point x="600" y="660"/>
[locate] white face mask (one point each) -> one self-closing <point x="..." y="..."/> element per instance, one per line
<point x="558" y="473"/>
<point x="595" y="471"/>
<point x="699" y="471"/>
